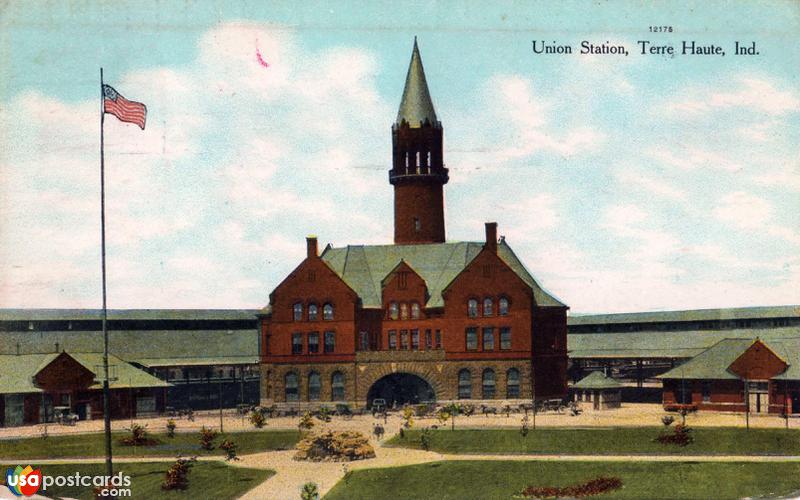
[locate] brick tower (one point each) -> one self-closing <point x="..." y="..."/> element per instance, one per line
<point x="418" y="173"/>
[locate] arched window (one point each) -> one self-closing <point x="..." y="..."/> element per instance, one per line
<point x="502" y="306"/>
<point x="403" y="311"/>
<point x="512" y="384"/>
<point x="327" y="311"/>
<point x="290" y="387"/>
<point x="464" y="384"/>
<point x="488" y="384"/>
<point x="298" y="311"/>
<point x="488" y="306"/>
<point x="414" y="310"/>
<point x="314" y="386"/>
<point x="312" y="312"/>
<point x="393" y="310"/>
<point x="472" y="308"/>
<point x="337" y="386"/>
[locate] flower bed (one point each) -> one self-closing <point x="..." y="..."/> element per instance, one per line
<point x="334" y="446"/>
<point x="594" y="487"/>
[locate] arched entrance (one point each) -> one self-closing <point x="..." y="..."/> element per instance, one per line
<point x="401" y="388"/>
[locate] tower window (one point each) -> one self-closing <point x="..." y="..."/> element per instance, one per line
<point x="417" y="224"/>
<point x="429" y="159"/>
<point x="417" y="161"/>
<point x="406" y="162"/>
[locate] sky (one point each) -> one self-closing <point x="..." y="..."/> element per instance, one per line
<point x="625" y="183"/>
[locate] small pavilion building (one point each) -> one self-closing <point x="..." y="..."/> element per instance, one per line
<point x="599" y="391"/>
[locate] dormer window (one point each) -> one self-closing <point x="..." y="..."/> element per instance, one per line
<point x="403" y="311"/>
<point x="327" y="312"/>
<point x="297" y="308"/>
<point x="414" y="310"/>
<point x="488" y="306"/>
<point x="312" y="312"/>
<point x="393" y="310"/>
<point x="472" y="308"/>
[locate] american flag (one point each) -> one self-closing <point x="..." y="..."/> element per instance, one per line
<point x="125" y="110"/>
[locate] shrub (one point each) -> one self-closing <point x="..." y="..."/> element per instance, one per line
<point x="667" y="420"/>
<point x="334" y="446"/>
<point x="324" y="414"/>
<point x="138" y="437"/>
<point x="306" y="422"/>
<point x="681" y="436"/>
<point x="596" y="486"/>
<point x="310" y="491"/>
<point x="207" y="437"/>
<point x="229" y="447"/>
<point x="177" y="477"/>
<point x="408" y="417"/>
<point x="524" y="429"/>
<point x="425" y="439"/>
<point x="257" y="419"/>
<point x="171" y="425"/>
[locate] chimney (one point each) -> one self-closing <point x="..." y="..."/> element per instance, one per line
<point x="311" y="246"/>
<point x="491" y="236"/>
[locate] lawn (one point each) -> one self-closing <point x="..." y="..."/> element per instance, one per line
<point x="486" y="480"/>
<point x="605" y="441"/>
<point x="206" y="480"/>
<point x="92" y="445"/>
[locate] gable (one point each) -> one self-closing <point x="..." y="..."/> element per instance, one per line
<point x="314" y="280"/>
<point x="758" y="362"/>
<point x="63" y="373"/>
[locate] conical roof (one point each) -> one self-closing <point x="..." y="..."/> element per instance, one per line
<point x="416" y="106"/>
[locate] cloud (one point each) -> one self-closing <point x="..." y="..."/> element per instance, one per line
<point x="747" y="212"/>
<point x="754" y="93"/>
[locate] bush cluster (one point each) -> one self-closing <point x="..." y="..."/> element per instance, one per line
<point x="680" y="436"/>
<point x="138" y="437"/>
<point x="334" y="446"/>
<point x="207" y="437"/>
<point x="177" y="477"/>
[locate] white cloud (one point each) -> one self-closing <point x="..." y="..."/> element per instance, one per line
<point x="743" y="210"/>
<point x="754" y="93"/>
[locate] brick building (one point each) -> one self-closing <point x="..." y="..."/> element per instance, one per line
<point x="422" y="319"/>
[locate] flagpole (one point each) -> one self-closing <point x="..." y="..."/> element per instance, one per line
<point x="106" y="390"/>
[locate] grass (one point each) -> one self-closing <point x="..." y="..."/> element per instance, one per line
<point x="184" y="443"/>
<point x="206" y="480"/>
<point x="486" y="480"/>
<point x="614" y="441"/>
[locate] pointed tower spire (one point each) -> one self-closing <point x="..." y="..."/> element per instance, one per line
<point x="416" y="106"/>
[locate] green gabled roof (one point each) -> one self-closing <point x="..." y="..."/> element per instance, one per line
<point x="363" y="267"/>
<point x="199" y="361"/>
<point x="789" y="351"/>
<point x="128" y="314"/>
<point x="597" y="380"/>
<point x="416" y="106"/>
<point x="17" y="371"/>
<point x="713" y="363"/>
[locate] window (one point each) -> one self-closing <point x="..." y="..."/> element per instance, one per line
<point x="327" y="312"/>
<point x="488" y="306"/>
<point x="363" y="341"/>
<point x="393" y="310"/>
<point x="488" y="384"/>
<point x="312" y="312"/>
<point x="706" y="391"/>
<point x="472" y="339"/>
<point x="403" y="311"/>
<point x="488" y="339"/>
<point x="415" y="340"/>
<point x="472" y="308"/>
<point x="298" y="311"/>
<point x="404" y="340"/>
<point x="417" y="225"/>
<point x="392" y="340"/>
<point x="330" y="341"/>
<point x="428" y="340"/>
<point x="512" y="383"/>
<point x="438" y="339"/>
<point x="464" y="384"/>
<point x="337" y="386"/>
<point x="313" y="342"/>
<point x="290" y="387"/>
<point x="414" y="310"/>
<point x="314" y="385"/>
<point x="297" y="343"/>
<point x="502" y="306"/>
<point x="505" y="337"/>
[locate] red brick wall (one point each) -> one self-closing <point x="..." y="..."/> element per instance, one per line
<point x="422" y="199"/>
<point x="311" y="282"/>
<point x="758" y="362"/>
